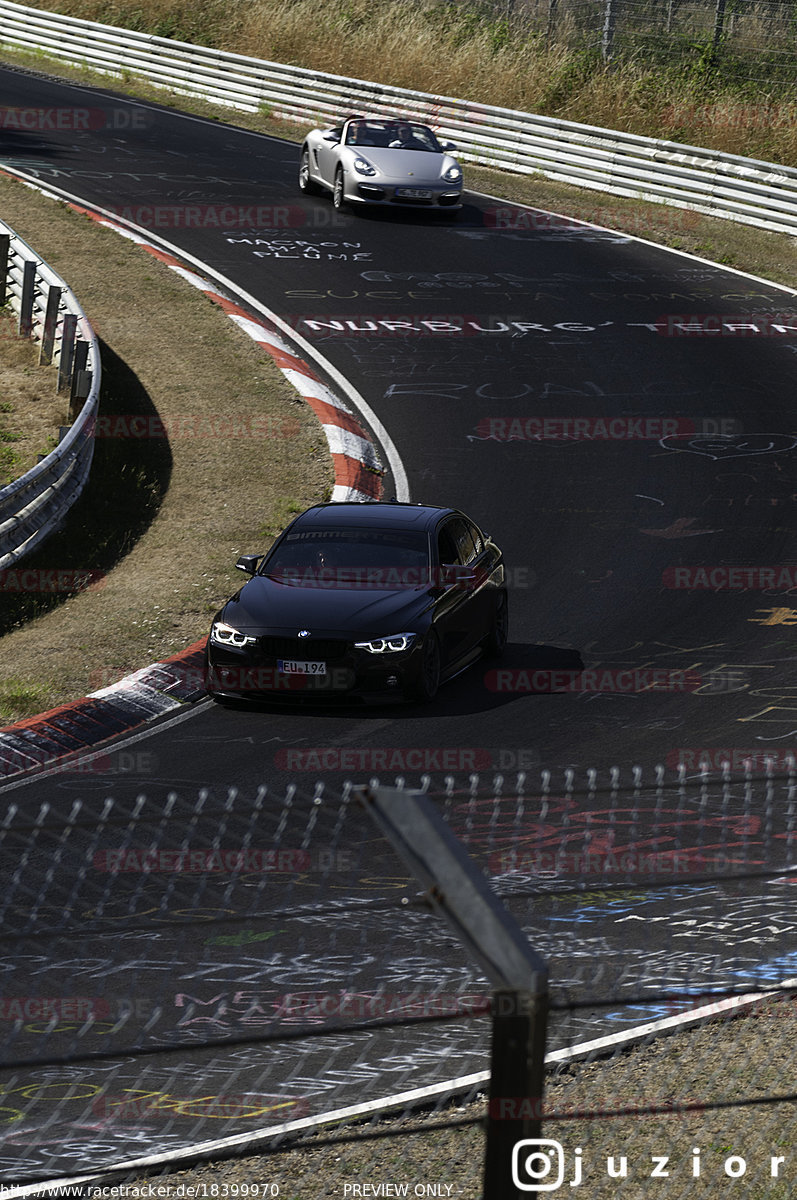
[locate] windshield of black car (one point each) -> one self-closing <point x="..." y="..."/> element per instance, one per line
<point x="402" y="135"/>
<point x="351" y="558"/>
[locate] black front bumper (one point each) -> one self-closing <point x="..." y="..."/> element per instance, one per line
<point x="354" y="674"/>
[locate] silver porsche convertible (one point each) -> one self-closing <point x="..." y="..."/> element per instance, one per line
<point x="382" y="161"/>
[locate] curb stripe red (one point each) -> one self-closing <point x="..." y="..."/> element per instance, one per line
<point x="162" y="686"/>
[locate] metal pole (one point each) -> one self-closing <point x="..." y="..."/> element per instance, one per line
<point x="459" y="891"/>
<point x="719" y="17"/>
<point x="609" y="21"/>
<point x="549" y="32"/>
<point x="517" y="1078"/>
<point x="457" y="888"/>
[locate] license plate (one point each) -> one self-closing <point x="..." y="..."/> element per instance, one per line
<point x="292" y="666"/>
<point x="414" y="193"/>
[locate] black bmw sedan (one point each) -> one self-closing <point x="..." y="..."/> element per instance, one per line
<point x="367" y="600"/>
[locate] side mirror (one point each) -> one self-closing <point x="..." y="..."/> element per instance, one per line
<point x="449" y="147"/>
<point x="455" y="575"/>
<point x="248" y="563"/>
<point x="331" y="136"/>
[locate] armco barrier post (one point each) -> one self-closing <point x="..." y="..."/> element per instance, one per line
<point x="459" y="891"/>
<point x="80" y="386"/>
<point x="50" y="324"/>
<point x="5" y="246"/>
<point x="67" y="351"/>
<point x="25" y="326"/>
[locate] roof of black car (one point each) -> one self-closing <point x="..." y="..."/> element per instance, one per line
<point x="364" y="515"/>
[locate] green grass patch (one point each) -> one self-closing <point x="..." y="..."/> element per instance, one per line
<point x="19" y="699"/>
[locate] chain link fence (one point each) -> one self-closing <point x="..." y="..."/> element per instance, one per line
<point x="757" y="37"/>
<point x="250" y="989"/>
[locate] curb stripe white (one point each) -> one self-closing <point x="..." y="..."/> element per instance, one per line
<point x="343" y="489"/>
<point x="341" y="494"/>
<point x="315" y="388"/>
<point x="342" y="441"/>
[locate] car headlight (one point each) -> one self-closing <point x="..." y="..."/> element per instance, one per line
<point x="453" y="174"/>
<point x="225" y="635"/>
<point x="387" y="645"/>
<point x="363" y="167"/>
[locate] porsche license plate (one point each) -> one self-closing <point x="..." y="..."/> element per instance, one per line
<point x="414" y="193"/>
<point x="292" y="666"/>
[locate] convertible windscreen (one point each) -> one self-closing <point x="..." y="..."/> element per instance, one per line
<point x="402" y="135"/>
<point x="351" y="558"/>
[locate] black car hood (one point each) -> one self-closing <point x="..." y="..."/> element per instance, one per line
<point x="269" y="605"/>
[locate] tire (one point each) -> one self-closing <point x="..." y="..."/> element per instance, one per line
<point x="427" y="685"/>
<point x="338" y="198"/>
<point x="495" y="642"/>
<point x="306" y="183"/>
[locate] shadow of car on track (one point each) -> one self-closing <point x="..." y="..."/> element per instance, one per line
<point x="524" y="670"/>
<point x="28" y="143"/>
<point x="468" y="216"/>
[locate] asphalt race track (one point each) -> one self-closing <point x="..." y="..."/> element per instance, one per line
<point x="496" y="348"/>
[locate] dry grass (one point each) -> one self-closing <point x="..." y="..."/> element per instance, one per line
<point x="464" y="51"/>
<point x="164" y="521"/>
<point x="30" y="410"/>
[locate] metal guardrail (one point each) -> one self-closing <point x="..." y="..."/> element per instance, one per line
<point x="33" y="506"/>
<point x="709" y="181"/>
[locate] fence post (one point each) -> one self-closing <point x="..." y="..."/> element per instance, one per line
<point x="719" y="18"/>
<point x="609" y="21"/>
<point x="517" y="1079"/>
<point x="457" y="888"/>
<point x="551" y="23"/>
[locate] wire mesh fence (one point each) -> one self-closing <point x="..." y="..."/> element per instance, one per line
<point x="253" y="981"/>
<point x="758" y="38"/>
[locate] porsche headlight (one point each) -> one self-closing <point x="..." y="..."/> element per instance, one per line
<point x="363" y="167"/>
<point x="387" y="645"/>
<point x="453" y="174"/>
<point x="224" y="635"/>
